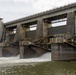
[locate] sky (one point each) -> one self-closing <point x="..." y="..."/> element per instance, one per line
<point x="15" y="9"/>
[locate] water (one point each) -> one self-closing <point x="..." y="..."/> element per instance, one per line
<point x="36" y="66"/>
<point x="43" y="58"/>
<point x="8" y="64"/>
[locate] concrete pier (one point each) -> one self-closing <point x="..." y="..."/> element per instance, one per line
<point x="1" y="51"/>
<point x="21" y="51"/>
<point x="63" y="52"/>
<point x="71" y="23"/>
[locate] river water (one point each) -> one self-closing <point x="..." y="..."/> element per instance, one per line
<point x="35" y="66"/>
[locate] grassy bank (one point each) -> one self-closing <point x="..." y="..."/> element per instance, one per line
<point x="46" y="68"/>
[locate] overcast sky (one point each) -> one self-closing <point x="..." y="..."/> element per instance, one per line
<point x="14" y="9"/>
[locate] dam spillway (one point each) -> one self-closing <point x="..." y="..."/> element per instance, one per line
<point x="46" y="57"/>
<point x="35" y="35"/>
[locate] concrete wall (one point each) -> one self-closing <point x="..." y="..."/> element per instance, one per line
<point x="57" y="30"/>
<point x="63" y="52"/>
<point x="53" y="30"/>
<point x="75" y="23"/>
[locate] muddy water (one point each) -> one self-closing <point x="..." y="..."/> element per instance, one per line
<point x="16" y="66"/>
<point x="36" y="66"/>
<point x="46" y="68"/>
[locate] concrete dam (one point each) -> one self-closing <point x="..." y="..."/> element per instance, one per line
<point x="37" y="34"/>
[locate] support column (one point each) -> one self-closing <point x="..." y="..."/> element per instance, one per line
<point x="20" y="35"/>
<point x="1" y="51"/>
<point x="21" y="51"/>
<point x="41" y="30"/>
<point x="1" y="33"/>
<point x="45" y="30"/>
<point x="1" y="29"/>
<point x="75" y="23"/>
<point x="71" y="23"/>
<point x="41" y="34"/>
